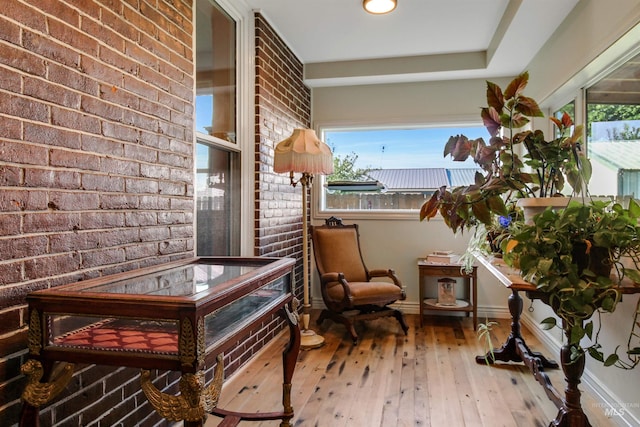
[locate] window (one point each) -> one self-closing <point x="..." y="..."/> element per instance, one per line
<point x="215" y="72"/>
<point x="217" y="187"/>
<point x="217" y="201"/>
<point x="613" y="131"/>
<point x="570" y="109"/>
<point x="392" y="169"/>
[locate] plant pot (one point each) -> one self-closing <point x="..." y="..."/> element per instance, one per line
<point x="532" y="206"/>
<point x="597" y="260"/>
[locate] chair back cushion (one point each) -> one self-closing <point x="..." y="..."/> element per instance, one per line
<point x="337" y="250"/>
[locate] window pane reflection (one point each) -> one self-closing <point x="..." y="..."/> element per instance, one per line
<point x="217" y="201"/>
<point x="613" y="129"/>
<point x="215" y="72"/>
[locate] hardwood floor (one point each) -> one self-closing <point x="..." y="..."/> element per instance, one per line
<point x="427" y="378"/>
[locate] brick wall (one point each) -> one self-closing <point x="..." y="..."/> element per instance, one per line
<point x="283" y="104"/>
<point x="96" y="170"/>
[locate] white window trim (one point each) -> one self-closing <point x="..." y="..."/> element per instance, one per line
<point x="317" y="213"/>
<point x="245" y="77"/>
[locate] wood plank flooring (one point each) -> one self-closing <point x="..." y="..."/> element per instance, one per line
<point x="428" y="378"/>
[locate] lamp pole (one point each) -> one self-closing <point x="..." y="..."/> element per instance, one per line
<point x="309" y="339"/>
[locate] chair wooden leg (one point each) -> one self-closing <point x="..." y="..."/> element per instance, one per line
<point x="339" y="318"/>
<point x="403" y="324"/>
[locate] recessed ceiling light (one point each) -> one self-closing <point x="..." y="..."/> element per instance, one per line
<point x="379" y="7"/>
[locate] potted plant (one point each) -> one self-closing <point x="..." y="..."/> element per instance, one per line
<point x="515" y="163"/>
<point x="569" y="254"/>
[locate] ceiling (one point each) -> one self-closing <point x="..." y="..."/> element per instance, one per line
<point x="421" y="40"/>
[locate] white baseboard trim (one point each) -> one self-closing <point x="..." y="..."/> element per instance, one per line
<point x="610" y="403"/>
<point x="412" y="307"/>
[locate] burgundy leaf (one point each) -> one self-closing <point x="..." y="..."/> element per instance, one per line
<point x="517" y="85"/>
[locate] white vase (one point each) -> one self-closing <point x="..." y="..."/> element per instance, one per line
<point x="532" y="206"/>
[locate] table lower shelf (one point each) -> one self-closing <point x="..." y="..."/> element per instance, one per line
<point x="460" y="305"/>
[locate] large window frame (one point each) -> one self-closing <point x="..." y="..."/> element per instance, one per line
<point x="240" y="145"/>
<point x="576" y="89"/>
<point x="319" y="188"/>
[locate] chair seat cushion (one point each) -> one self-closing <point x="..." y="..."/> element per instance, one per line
<point x="363" y="293"/>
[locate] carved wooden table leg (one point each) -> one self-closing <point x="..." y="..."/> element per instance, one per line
<point x="570" y="413"/>
<point x="511" y="350"/>
<point x="194" y="401"/>
<point x="289" y="359"/>
<point x="37" y="393"/>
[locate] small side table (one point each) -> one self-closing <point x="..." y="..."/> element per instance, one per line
<point x="434" y="269"/>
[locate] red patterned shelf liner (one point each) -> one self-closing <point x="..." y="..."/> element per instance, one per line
<point x="101" y="336"/>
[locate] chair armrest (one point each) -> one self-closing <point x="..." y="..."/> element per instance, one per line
<point x="329" y="277"/>
<point x="338" y="279"/>
<point x="390" y="273"/>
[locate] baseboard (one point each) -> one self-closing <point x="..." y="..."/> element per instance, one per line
<point x="610" y="402"/>
<point x="412" y="307"/>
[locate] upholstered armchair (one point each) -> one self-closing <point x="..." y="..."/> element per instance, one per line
<point x="350" y="291"/>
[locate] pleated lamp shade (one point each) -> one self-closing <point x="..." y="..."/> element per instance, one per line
<point x="303" y="152"/>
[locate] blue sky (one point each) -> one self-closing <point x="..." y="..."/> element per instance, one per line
<point x="381" y="149"/>
<point x="400" y="148"/>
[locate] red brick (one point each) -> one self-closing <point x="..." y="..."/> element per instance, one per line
<point x="72" y="37"/>
<point x="76" y="160"/>
<point x="91" y="220"/>
<point x="154" y="202"/>
<point x="51" y="222"/>
<point x="101" y="145"/>
<point x="73" y="201"/>
<point x="73" y="79"/>
<point x="119" y="201"/>
<point x="141" y="56"/>
<point x="75" y="120"/>
<point x="152" y="45"/>
<point x="103" y="257"/>
<point x="50" y="48"/>
<point x="10" y="273"/>
<point x="9" y="31"/>
<point x="117" y="131"/>
<point x="155" y="109"/>
<point x="120" y="167"/>
<point x="93" y="182"/>
<point x="141" y="250"/>
<point x="9" y="224"/>
<point x="98" y="107"/>
<point x="19" y="106"/>
<point x="67" y="242"/>
<point x="51" y="266"/>
<point x="51" y="178"/>
<point x="150" y="234"/>
<point x="41" y="89"/>
<point x="23" y="247"/>
<point x="26" y="15"/>
<point x="58" y="9"/>
<point x="142" y="186"/>
<point x="144" y="25"/>
<point x="10" y="175"/>
<point x="119" y="24"/>
<point x="44" y="134"/>
<point x="98" y="71"/>
<point x="119" y="96"/>
<point x="22" y="200"/>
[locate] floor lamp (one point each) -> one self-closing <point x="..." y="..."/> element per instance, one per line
<point x="304" y="153"/>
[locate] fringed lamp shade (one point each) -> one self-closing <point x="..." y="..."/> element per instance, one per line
<point x="303" y="152"/>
